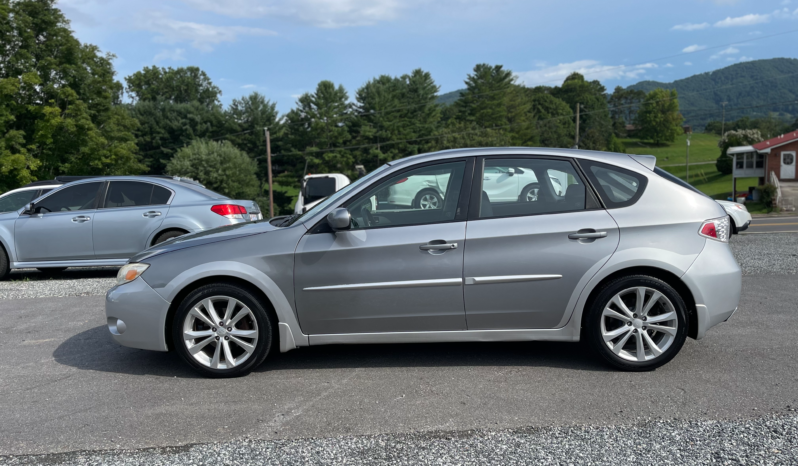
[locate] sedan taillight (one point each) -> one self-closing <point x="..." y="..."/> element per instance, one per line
<point x="716" y="228"/>
<point x="230" y="211"/>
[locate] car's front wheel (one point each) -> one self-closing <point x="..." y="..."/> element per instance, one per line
<point x="637" y="323"/>
<point x="222" y="330"/>
<point x="428" y="200"/>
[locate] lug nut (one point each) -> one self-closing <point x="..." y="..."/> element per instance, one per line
<point x="229" y="329"/>
<point x="633" y="331"/>
<point x="221" y="324"/>
<point x="628" y="323"/>
<point x="645" y="318"/>
<point x="217" y="338"/>
<point x="634" y="315"/>
<point x="226" y="338"/>
<point x="213" y="329"/>
<point x="644" y="328"/>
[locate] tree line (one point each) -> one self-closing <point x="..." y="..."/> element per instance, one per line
<point x="63" y="112"/>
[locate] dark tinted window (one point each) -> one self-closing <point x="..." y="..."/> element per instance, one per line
<point x="160" y="195"/>
<point x="72" y="198"/>
<point x="133" y="193"/>
<point x="617" y="186"/>
<point x="677" y="180"/>
<point x="530" y="186"/>
<point x="17" y="200"/>
<point x="318" y="188"/>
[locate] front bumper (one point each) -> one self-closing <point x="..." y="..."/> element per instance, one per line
<point x="744" y="226"/>
<point x="142" y="313"/>
<point x="715" y="279"/>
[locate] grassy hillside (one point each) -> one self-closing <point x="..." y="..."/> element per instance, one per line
<point x="745" y="84"/>
<point x="703" y="148"/>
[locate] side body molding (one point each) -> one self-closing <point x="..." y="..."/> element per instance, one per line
<point x="291" y="335"/>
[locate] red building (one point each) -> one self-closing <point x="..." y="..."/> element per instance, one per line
<point x="775" y="156"/>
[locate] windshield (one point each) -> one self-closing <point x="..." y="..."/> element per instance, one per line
<point x="334" y="198"/>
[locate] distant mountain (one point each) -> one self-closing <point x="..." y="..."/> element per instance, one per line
<point x="756" y="84"/>
<point x="749" y="84"/>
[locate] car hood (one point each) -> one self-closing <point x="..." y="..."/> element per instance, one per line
<point x="214" y="235"/>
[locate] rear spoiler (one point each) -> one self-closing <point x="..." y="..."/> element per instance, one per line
<point x="648" y="161"/>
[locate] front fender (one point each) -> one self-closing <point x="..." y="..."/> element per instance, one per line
<point x="7" y="222"/>
<point x="282" y="307"/>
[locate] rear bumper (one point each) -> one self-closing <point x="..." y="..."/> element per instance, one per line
<point x="715" y="279"/>
<point x="142" y="313"/>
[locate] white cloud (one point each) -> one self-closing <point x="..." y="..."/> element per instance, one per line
<point x="744" y="58"/>
<point x="591" y="69"/>
<point x="687" y="63"/>
<point x="747" y="20"/>
<point x="170" y="55"/>
<point x="201" y="36"/>
<point x="249" y="86"/>
<point x="727" y="51"/>
<point x="318" y="13"/>
<point x="693" y="48"/>
<point x="690" y="26"/>
<point x="668" y="65"/>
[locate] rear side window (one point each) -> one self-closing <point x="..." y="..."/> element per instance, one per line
<point x="160" y="195"/>
<point x="133" y="194"/>
<point x="677" y="180"/>
<point x="616" y="186"/>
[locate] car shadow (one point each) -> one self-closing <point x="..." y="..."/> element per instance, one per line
<point x="94" y="350"/>
<point x="75" y="273"/>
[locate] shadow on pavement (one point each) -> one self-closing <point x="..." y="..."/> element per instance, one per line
<point x="75" y="273"/>
<point x="95" y="350"/>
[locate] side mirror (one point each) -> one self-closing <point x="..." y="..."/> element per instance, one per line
<point x="339" y="219"/>
<point x="30" y="210"/>
<point x="511" y="171"/>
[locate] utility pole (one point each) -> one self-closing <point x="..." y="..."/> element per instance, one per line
<point x="687" y="160"/>
<point x="576" y="138"/>
<point x="723" y="120"/>
<point x="269" y="169"/>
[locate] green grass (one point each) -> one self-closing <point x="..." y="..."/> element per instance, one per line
<point x="703" y="148"/>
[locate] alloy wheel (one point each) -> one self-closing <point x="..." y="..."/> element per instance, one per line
<point x="532" y="195"/>
<point x="429" y="201"/>
<point x="639" y="324"/>
<point x="220" y="332"/>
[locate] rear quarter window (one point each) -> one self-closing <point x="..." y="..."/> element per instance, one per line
<point x="616" y="186"/>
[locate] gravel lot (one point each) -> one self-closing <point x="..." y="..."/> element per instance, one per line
<point x="770" y="440"/>
<point x="757" y="254"/>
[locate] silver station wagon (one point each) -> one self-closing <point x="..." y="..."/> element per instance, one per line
<point x="617" y="252"/>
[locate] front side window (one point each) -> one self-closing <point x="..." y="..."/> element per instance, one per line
<point x="530" y="186"/>
<point x="17" y="200"/>
<point x="72" y="198"/>
<point x="617" y="186"/>
<point x="133" y="193"/>
<point x="419" y="196"/>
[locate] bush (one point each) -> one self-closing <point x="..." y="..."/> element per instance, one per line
<point x="725" y="164"/>
<point x="768" y="195"/>
<point x="219" y="166"/>
<point x="615" y="145"/>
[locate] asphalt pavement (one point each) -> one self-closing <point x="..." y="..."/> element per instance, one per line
<point x="786" y="224"/>
<point x="66" y="386"/>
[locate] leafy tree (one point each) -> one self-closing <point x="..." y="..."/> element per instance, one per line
<point x="615" y="145"/>
<point x="317" y="129"/>
<point x="659" y="119"/>
<point x="219" y="166"/>
<point x="624" y="104"/>
<point x="555" y="122"/>
<point x="594" y="113"/>
<point x="59" y="102"/>
<point x="165" y="127"/>
<point x="734" y="138"/>
<point x="175" y="85"/>
<point x="246" y="119"/>
<point x="461" y="134"/>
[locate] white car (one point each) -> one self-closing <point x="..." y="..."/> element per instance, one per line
<point x="316" y="188"/>
<point x="740" y="218"/>
<point x="499" y="183"/>
<point x="17" y="198"/>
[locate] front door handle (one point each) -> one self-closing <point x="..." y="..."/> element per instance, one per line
<point x="438" y="245"/>
<point x="151" y="214"/>
<point x="588" y="235"/>
<point x="81" y="219"/>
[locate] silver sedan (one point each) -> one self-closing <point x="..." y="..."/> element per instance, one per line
<point x="621" y="254"/>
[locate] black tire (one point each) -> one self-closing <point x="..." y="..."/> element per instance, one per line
<point x="733" y="225"/>
<point x="264" y="321"/>
<point x="428" y="192"/>
<point x="526" y="190"/>
<point x="5" y="267"/>
<point x="167" y="235"/>
<point x="593" y="323"/>
<point x="51" y="270"/>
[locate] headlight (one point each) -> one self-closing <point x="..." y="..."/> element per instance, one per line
<point x="130" y="272"/>
<point x="741" y="207"/>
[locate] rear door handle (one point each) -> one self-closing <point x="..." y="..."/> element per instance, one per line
<point x="81" y="219"/>
<point x="151" y="214"/>
<point x="588" y="235"/>
<point x="438" y="246"/>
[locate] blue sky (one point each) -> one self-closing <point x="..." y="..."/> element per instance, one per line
<point x="283" y="48"/>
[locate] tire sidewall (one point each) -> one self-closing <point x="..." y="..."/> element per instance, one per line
<point x="5" y="268"/>
<point x="167" y="236"/>
<point x="417" y="201"/>
<point x="593" y="322"/>
<point x="264" y="321"/>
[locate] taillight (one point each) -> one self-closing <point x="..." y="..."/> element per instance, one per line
<point x="230" y="211"/>
<point x="401" y="181"/>
<point x="716" y="228"/>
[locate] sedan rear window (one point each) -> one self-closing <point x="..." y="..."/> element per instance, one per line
<point x="617" y="187"/>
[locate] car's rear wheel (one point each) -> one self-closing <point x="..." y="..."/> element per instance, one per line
<point x="428" y="200"/>
<point x="637" y="323"/>
<point x="530" y="193"/>
<point x="5" y="267"/>
<point x="167" y="235"/>
<point x="222" y="330"/>
<point x="733" y="225"/>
